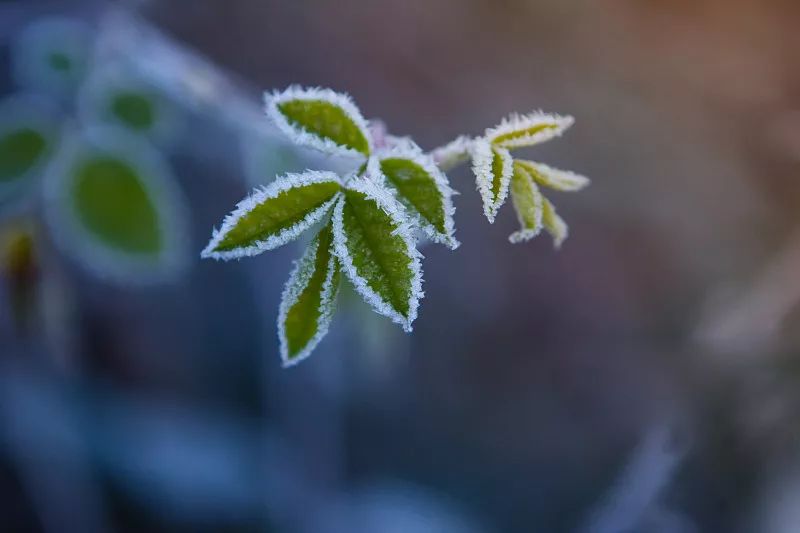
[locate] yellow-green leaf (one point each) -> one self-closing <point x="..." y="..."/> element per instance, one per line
<point x="553" y="178"/>
<point x="528" y="203"/>
<point x="493" y="167"/>
<point x="554" y="224"/>
<point x="517" y="131"/>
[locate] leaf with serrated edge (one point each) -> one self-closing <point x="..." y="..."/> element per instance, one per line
<point x="493" y="168"/>
<point x="453" y="153"/>
<point x="320" y="118"/>
<point x="553" y="178"/>
<point x="528" y="203"/>
<point x="274" y="215"/>
<point x="554" y="224"/>
<point x="517" y="131"/>
<point x="375" y="246"/>
<point x="308" y="300"/>
<point x="421" y="187"/>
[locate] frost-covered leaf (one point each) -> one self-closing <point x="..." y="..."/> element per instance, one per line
<point x="493" y="167"/>
<point x="421" y="187"/>
<point x="320" y="118"/>
<point x="553" y="223"/>
<point x="275" y="215"/>
<point x="113" y="205"/>
<point x="453" y="153"/>
<point x="374" y="243"/>
<point x="553" y="178"/>
<point x="528" y="203"/>
<point x="517" y="131"/>
<point x="308" y="300"/>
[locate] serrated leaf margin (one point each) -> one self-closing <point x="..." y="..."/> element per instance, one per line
<point x="482" y="157"/>
<point x="516" y="122"/>
<point x="410" y="151"/>
<point x="295" y="285"/>
<point x="259" y="195"/>
<point x="302" y="137"/>
<point x="386" y="202"/>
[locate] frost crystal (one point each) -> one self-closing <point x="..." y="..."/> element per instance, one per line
<point x="408" y="150"/>
<point x="390" y="194"/>
<point x="389" y="205"/>
<point x="285" y="183"/>
<point x="298" y="281"/>
<point x="529" y="204"/>
<point x="517" y="131"/>
<point x="453" y="153"/>
<point x="493" y="168"/>
<point x="560" y="180"/>
<point x="299" y="134"/>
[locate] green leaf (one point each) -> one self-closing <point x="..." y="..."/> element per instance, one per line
<point x="528" y="203"/>
<point x="373" y="241"/>
<point x="493" y="167"/>
<point x="275" y="215"/>
<point x="29" y="128"/>
<point x="134" y="110"/>
<point x="517" y="131"/>
<point x="308" y="300"/>
<point x="321" y="119"/>
<point x="21" y="150"/>
<point x="553" y="178"/>
<point x="423" y="189"/>
<point x="112" y="204"/>
<point x="554" y="224"/>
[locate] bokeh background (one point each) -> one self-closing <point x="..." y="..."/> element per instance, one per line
<point x="644" y="378"/>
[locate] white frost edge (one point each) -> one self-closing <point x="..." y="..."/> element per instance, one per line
<point x="516" y="122"/>
<point x="260" y="195"/>
<point x="554" y="224"/>
<point x="482" y="156"/>
<point x="297" y="283"/>
<point x="556" y="179"/>
<point x="72" y="238"/>
<point x="453" y="153"/>
<point x="386" y="202"/>
<point x="526" y="233"/>
<point x="299" y="135"/>
<point x="410" y="151"/>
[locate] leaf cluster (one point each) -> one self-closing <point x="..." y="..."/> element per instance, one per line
<point x="367" y="221"/>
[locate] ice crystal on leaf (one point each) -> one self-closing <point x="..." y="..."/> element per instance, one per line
<point x="369" y="217"/>
<point x="517" y="131"/>
<point x="321" y="119"/>
<point x="422" y="188"/>
<point x="308" y="300"/>
<point x="275" y="215"/>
